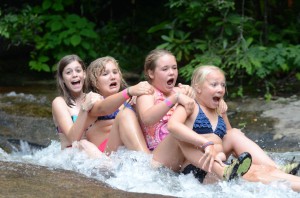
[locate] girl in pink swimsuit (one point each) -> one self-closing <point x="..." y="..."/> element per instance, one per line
<point x="156" y="133"/>
<point x="155" y="110"/>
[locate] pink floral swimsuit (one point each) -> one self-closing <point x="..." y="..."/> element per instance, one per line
<point x="156" y="133"/>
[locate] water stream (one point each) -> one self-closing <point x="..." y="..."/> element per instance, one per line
<point x="25" y="114"/>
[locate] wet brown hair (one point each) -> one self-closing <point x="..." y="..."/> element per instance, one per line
<point x="96" y="68"/>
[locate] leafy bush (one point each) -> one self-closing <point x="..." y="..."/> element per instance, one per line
<point x="248" y="49"/>
<point x="52" y="32"/>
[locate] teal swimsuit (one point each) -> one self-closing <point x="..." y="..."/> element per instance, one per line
<point x="74" y="117"/>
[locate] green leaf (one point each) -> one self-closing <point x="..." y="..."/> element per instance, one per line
<point x="88" y="33"/>
<point x="45" y="67"/>
<point x="298" y="76"/>
<point x="46" y="4"/>
<point x="179" y="55"/>
<point x="163" y="46"/>
<point x="75" y="40"/>
<point x="43" y="59"/>
<point x="56" y="25"/>
<point x="81" y="23"/>
<point x="86" y="45"/>
<point x="166" y="38"/>
<point x="57" y="6"/>
<point x="161" y="26"/>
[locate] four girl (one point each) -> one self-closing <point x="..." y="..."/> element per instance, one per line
<point x="199" y="139"/>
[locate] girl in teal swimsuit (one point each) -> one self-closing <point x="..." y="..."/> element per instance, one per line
<point x="73" y="102"/>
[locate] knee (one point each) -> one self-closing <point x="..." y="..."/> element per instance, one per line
<point x="126" y="114"/>
<point x="235" y="131"/>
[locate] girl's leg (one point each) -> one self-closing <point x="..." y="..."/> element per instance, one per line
<point x="127" y="132"/>
<point x="268" y="174"/>
<point x="235" y="142"/>
<point x="90" y="148"/>
<point x="168" y="153"/>
<point x="194" y="155"/>
<point x="172" y="153"/>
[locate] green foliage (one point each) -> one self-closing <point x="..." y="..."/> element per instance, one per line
<point x="19" y="27"/>
<point x="219" y="33"/>
<point x="255" y="45"/>
<point x="52" y="32"/>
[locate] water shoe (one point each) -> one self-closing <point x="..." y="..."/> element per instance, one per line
<point x="238" y="167"/>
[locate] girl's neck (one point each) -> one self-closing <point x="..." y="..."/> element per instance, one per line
<point x="78" y="98"/>
<point x="165" y="94"/>
<point x="205" y="108"/>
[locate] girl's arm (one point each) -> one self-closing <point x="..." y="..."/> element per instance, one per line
<point x="62" y="118"/>
<point x="113" y="102"/>
<point x="151" y="113"/>
<point x="178" y="128"/>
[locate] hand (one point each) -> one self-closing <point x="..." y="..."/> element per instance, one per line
<point x="187" y="102"/>
<point x="222" y="109"/>
<point x="220" y="158"/>
<point x="90" y="100"/>
<point x="133" y="100"/>
<point x="142" y="88"/>
<point x="208" y="158"/>
<point x="187" y="90"/>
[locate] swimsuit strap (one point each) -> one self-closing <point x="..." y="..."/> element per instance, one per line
<point x="202" y="124"/>
<point x="110" y="116"/>
<point x="86" y="130"/>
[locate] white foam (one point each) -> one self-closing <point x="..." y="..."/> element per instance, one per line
<point x="131" y="171"/>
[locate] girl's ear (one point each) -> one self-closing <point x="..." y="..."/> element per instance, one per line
<point x="198" y="89"/>
<point x="84" y="74"/>
<point x="151" y="74"/>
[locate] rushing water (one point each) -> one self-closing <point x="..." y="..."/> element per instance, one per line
<point x="131" y="171"/>
<point x="126" y="170"/>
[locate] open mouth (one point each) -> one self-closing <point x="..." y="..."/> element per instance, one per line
<point x="113" y="85"/>
<point x="75" y="82"/>
<point x="171" y="81"/>
<point x="216" y="99"/>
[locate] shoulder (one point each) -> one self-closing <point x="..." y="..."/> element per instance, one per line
<point x="58" y="101"/>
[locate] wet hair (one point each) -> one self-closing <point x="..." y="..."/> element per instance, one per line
<point x="151" y="58"/>
<point x="63" y="90"/>
<point x="96" y="68"/>
<point x="200" y="73"/>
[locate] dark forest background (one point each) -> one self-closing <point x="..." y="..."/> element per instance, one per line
<point x="255" y="42"/>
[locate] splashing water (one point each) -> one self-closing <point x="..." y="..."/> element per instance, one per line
<point x="131" y="171"/>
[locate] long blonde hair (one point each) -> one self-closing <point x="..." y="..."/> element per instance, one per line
<point x="200" y="73"/>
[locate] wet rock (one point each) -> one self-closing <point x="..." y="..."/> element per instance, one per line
<point x="25" y="180"/>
